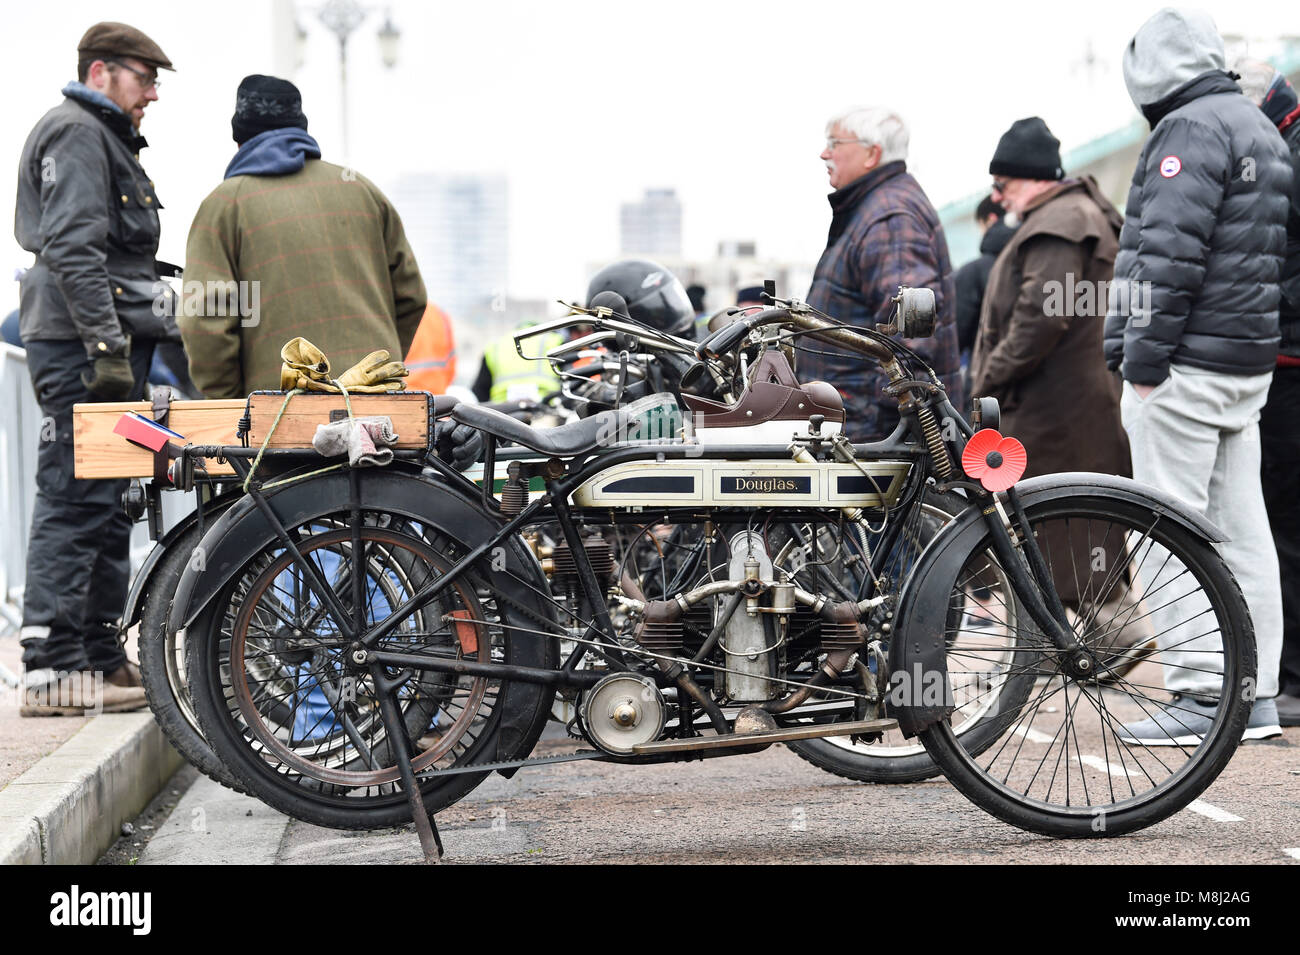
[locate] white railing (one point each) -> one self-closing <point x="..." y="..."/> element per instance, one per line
<point x="20" y="428"/>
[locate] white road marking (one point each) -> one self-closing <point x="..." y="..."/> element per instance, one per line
<point x="1096" y="762"/>
<point x="1293" y="853"/>
<point x="1033" y="735"/>
<point x="1212" y="812"/>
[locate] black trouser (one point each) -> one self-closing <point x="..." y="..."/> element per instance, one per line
<point x="1279" y="433"/>
<point x="78" y="554"/>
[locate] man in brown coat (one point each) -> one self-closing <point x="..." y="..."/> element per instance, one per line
<point x="287" y="246"/>
<point x="1039" y="350"/>
<point x="1039" y="345"/>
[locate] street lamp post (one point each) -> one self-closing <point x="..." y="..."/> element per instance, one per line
<point x="342" y="17"/>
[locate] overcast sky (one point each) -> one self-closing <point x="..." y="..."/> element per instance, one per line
<point x="583" y="105"/>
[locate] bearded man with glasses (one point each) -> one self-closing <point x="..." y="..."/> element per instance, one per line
<point x="91" y="312"/>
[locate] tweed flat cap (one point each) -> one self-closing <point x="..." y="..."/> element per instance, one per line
<point x="119" y="39"/>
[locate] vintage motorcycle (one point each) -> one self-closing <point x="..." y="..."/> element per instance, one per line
<point x="365" y="646"/>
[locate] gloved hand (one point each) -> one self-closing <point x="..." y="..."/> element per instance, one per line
<point x="110" y="378"/>
<point x="457" y="444"/>
<point x="376" y="372"/>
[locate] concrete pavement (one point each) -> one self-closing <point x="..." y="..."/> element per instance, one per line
<point x="768" y="807"/>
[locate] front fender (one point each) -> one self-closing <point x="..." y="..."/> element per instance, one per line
<point x="921" y="695"/>
<point x="144" y="577"/>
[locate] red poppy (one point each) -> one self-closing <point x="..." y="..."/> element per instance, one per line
<point x="994" y="461"/>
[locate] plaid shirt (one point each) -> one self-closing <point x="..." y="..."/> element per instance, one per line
<point x="884" y="233"/>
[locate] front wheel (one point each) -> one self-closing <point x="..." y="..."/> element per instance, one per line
<point x="1167" y="700"/>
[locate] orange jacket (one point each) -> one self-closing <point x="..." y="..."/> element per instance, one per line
<point x="432" y="358"/>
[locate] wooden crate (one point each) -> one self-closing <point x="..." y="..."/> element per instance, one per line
<point x="99" y="453"/>
<point x="408" y="411"/>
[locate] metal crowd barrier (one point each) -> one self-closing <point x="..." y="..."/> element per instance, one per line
<point x="20" y="429"/>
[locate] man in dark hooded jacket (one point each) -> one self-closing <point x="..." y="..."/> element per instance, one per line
<point x="1279" y="424"/>
<point x="1193" y="328"/>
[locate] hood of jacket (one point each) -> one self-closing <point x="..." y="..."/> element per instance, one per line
<point x="1169" y="50"/>
<point x="276" y="152"/>
<point x="1281" y="104"/>
<point x="996" y="238"/>
<point x="1060" y="212"/>
<point x="1208" y="83"/>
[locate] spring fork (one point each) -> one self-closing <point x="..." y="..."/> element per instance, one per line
<point x="934" y="442"/>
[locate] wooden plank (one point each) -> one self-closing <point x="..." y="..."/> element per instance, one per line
<point x="297" y="427"/>
<point x="99" y="453"/>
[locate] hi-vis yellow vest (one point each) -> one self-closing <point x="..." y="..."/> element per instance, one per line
<point x="518" y="379"/>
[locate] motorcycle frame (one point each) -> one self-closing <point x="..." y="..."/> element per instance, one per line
<point x="554" y="507"/>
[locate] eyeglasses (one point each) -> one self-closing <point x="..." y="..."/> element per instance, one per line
<point x="147" y="80"/>
<point x="1000" y="185"/>
<point x="832" y="143"/>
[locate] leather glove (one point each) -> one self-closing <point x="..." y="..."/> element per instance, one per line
<point x="374" y="373"/>
<point x="110" y="378"/>
<point x="305" y="366"/>
<point x="457" y="444"/>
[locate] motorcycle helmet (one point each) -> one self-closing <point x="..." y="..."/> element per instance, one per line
<point x="654" y="296"/>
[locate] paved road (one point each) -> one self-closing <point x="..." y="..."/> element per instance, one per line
<point x="768" y="807"/>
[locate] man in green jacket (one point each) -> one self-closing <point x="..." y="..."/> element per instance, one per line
<point x="289" y="245"/>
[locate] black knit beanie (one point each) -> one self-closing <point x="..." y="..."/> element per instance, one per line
<point x="1028" y="150"/>
<point x="265" y="102"/>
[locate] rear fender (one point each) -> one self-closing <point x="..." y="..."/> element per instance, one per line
<point x="144" y="577"/>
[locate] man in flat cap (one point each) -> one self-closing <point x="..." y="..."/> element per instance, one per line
<point x="290" y="245"/>
<point x="90" y="316"/>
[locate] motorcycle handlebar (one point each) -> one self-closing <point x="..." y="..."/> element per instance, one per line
<point x="725" y="339"/>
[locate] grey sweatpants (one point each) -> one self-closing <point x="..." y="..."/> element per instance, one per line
<point x="1196" y="436"/>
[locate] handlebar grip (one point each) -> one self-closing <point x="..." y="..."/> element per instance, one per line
<point x="723" y="340"/>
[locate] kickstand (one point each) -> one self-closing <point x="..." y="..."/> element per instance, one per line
<point x="425" y="826"/>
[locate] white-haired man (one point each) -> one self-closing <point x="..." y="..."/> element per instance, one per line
<point x="884" y="233"/>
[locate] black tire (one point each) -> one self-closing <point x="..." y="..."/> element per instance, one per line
<point x="238" y="666"/>
<point x="987" y="695"/>
<point x="1180" y="587"/>
<point x="162" y="664"/>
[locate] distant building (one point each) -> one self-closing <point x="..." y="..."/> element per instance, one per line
<point x="653" y="226"/>
<point x="458" y="226"/>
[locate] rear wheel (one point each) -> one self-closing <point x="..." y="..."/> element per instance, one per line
<point x="298" y="722"/>
<point x="983" y="687"/>
<point x="162" y="664"/>
<point x="1168" y="697"/>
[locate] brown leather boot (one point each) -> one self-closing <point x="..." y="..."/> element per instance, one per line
<point x="128" y="674"/>
<point x="80" y="693"/>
